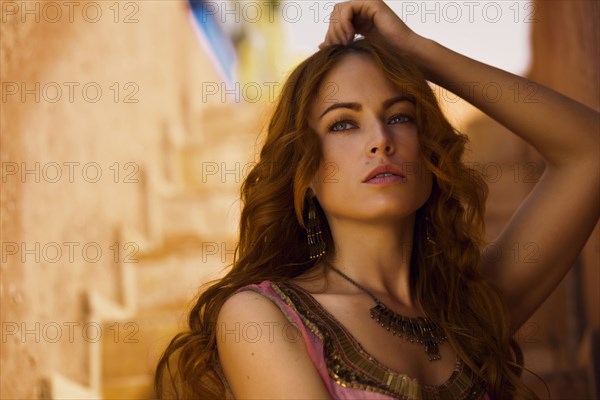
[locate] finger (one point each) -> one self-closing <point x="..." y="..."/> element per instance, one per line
<point x="335" y="36"/>
<point x="345" y="22"/>
<point x="343" y="30"/>
<point x="340" y="29"/>
<point x="333" y="32"/>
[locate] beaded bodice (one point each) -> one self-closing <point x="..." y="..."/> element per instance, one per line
<point x="351" y="366"/>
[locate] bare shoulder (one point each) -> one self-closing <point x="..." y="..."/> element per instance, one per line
<point x="246" y="327"/>
<point x="245" y="318"/>
<point x="259" y="355"/>
<point x="247" y="303"/>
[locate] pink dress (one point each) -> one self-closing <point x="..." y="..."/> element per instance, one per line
<point x="347" y="370"/>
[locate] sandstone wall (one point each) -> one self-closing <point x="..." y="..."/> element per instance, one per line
<point x="105" y="162"/>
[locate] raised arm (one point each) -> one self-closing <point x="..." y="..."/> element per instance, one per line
<point x="560" y="213"/>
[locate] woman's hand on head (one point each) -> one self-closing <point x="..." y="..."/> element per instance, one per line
<point x="373" y="19"/>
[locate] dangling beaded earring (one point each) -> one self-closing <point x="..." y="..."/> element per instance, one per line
<point x="316" y="244"/>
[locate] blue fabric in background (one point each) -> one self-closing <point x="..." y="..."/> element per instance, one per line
<point x="207" y="18"/>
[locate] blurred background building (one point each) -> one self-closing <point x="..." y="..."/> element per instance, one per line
<point x="127" y="129"/>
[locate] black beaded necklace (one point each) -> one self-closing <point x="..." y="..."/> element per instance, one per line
<point x="419" y="329"/>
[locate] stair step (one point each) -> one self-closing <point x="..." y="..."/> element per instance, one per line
<point x="130" y="387"/>
<point x="133" y="347"/>
<point x="174" y="279"/>
<point x="56" y="386"/>
<point x="202" y="214"/>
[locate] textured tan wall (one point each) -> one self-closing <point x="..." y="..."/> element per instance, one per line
<point x="157" y="56"/>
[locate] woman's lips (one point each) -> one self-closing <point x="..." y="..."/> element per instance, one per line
<point x="386" y="179"/>
<point x="384" y="169"/>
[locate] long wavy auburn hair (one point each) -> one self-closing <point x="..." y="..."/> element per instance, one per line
<point x="272" y="237"/>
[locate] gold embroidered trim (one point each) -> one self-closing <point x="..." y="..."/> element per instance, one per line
<point x="349" y="365"/>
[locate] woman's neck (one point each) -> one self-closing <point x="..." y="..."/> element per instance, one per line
<point x="375" y="255"/>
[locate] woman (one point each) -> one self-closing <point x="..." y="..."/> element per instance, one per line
<point x="360" y="208"/>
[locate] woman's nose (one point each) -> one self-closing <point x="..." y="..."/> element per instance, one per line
<point x="380" y="141"/>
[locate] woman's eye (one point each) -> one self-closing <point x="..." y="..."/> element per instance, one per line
<point x="401" y="118"/>
<point x="339" y="126"/>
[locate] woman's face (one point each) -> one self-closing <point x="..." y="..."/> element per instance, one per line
<point x="365" y="122"/>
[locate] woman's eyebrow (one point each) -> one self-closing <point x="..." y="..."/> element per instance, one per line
<point x="398" y="99"/>
<point x="357" y="107"/>
<point x="352" y="106"/>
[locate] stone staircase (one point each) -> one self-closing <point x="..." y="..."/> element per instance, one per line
<point x="190" y="215"/>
